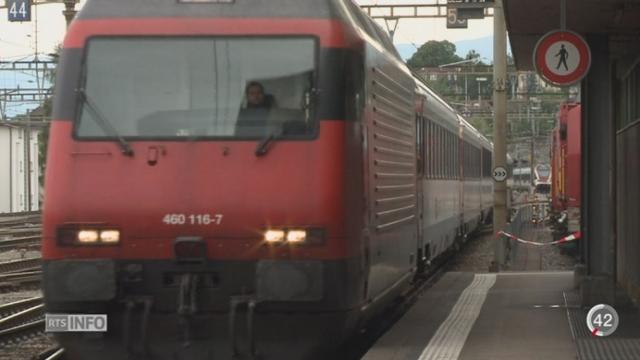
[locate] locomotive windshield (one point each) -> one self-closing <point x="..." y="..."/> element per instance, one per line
<point x="233" y="88"/>
<point x="544" y="171"/>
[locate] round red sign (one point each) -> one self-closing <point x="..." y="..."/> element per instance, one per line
<point x="562" y="57"/>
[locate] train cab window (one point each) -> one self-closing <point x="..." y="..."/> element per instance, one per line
<point x="198" y="88"/>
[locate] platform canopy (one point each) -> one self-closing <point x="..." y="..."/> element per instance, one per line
<point x="528" y="20"/>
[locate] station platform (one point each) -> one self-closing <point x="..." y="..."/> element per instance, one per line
<point x="508" y="315"/>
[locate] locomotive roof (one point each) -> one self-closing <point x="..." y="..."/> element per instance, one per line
<point x="321" y="9"/>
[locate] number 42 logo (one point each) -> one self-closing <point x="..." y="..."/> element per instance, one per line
<point x="19" y="10"/>
<point x="602" y="320"/>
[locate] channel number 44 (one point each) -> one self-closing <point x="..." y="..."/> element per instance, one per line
<point x="192" y="219"/>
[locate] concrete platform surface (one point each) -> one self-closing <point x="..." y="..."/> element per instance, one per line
<point x="510" y="315"/>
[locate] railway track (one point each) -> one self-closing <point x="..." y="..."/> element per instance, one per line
<point x="24" y="274"/>
<point x="17" y="229"/>
<point x="56" y="353"/>
<point x="17" y="306"/>
<point x="21" y="320"/>
<point x="9" y="232"/>
<point x="22" y="242"/>
<point x="11" y="219"/>
<point x="28" y="280"/>
<point x="22" y="332"/>
<point x="20" y="265"/>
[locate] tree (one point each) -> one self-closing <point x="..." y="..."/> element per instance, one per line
<point x="474" y="55"/>
<point x="434" y="53"/>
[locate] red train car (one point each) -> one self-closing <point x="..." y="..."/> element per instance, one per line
<point x="228" y="178"/>
<point x="566" y="168"/>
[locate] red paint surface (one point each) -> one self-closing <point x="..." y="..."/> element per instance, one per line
<point x="566" y="159"/>
<point x="574" y="158"/>
<point x="298" y="183"/>
<point x="330" y="32"/>
<point x="558" y="150"/>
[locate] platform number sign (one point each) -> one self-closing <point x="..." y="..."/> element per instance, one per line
<point x="602" y="320"/>
<point x="453" y="21"/>
<point x="19" y="10"/>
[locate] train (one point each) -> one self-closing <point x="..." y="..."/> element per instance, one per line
<point x="566" y="173"/>
<point x="521" y="179"/>
<point x="542" y="180"/>
<point x="201" y="235"/>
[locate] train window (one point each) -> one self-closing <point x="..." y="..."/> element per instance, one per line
<point x="440" y="152"/>
<point x="436" y="152"/>
<point x="427" y="151"/>
<point x="446" y="153"/>
<point x="420" y="145"/>
<point x="443" y="153"/>
<point x="456" y="170"/>
<point x="452" y="155"/>
<point x="449" y="155"/>
<point x="223" y="87"/>
<point x="432" y="156"/>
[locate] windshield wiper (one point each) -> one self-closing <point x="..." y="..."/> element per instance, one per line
<point x="263" y="146"/>
<point x="104" y="123"/>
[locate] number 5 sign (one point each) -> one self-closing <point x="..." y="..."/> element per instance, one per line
<point x="19" y="10"/>
<point x="453" y="22"/>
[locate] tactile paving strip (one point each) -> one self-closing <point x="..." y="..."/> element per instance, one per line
<point x="608" y="349"/>
<point x="597" y="348"/>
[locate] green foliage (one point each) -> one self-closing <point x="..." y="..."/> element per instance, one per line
<point x="484" y="125"/>
<point x="472" y="54"/>
<point x="434" y="53"/>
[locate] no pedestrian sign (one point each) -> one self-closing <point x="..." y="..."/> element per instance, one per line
<point x="562" y="58"/>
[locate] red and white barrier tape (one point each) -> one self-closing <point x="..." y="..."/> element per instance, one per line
<point x="572" y="237"/>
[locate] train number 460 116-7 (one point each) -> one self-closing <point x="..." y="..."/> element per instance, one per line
<point x="192" y="219"/>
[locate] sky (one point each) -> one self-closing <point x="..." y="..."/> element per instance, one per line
<point x="419" y="31"/>
<point x="17" y="40"/>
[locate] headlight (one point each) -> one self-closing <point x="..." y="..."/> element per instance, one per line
<point x="274" y="236"/>
<point x="78" y="234"/>
<point x="87" y="236"/>
<point x="308" y="236"/>
<point x="296" y="236"/>
<point x="110" y="236"/>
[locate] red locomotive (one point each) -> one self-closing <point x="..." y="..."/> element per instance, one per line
<point x="228" y="178"/>
<point x="566" y="169"/>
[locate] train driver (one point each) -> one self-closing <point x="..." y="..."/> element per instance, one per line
<point x="253" y="119"/>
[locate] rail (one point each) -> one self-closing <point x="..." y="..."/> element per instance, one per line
<point x="20" y="242"/>
<point x="17" y="306"/>
<point x="20" y="265"/>
<point x="523" y="220"/>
